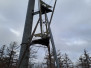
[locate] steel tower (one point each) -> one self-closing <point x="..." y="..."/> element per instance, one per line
<point x="45" y="36"/>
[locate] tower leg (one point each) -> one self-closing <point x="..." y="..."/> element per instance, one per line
<point x="26" y="35"/>
<point x="53" y="44"/>
<point x="49" y="56"/>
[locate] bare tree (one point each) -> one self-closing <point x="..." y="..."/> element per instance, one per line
<point x="33" y="56"/>
<point x="11" y="55"/>
<point x="2" y="54"/>
<point x="8" y="57"/>
<point x="47" y="58"/>
<point x="2" y="49"/>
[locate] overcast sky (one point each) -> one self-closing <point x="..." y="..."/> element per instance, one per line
<point x="71" y="24"/>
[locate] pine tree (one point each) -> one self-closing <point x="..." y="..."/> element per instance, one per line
<point x="85" y="60"/>
<point x="67" y="63"/>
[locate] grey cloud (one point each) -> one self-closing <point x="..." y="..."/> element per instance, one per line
<point x="71" y="21"/>
<point x="6" y="37"/>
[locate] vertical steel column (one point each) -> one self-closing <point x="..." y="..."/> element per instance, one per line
<point x="40" y="16"/>
<point x="49" y="56"/>
<point x="53" y="44"/>
<point x="54" y="49"/>
<point x="26" y="35"/>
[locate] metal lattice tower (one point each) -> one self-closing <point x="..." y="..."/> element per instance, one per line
<point x="45" y="36"/>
